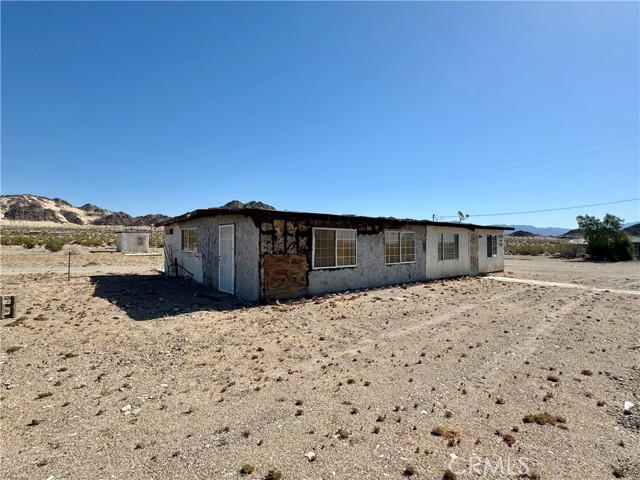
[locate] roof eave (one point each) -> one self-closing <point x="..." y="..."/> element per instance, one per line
<point x="210" y="212"/>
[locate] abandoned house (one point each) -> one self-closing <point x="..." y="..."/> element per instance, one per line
<point x="259" y="254"/>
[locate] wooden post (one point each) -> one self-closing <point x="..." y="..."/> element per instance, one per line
<point x="8" y="302"/>
<point x="69" y="269"/>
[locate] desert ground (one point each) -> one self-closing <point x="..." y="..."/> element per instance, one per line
<point x="123" y="373"/>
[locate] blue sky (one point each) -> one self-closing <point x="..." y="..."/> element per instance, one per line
<point x="381" y="109"/>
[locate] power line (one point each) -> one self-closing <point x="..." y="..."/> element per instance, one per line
<point x="540" y="211"/>
<point x="491" y="167"/>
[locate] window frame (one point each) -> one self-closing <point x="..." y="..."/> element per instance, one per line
<point x="400" y="234"/>
<point x="456" y="248"/>
<point x="492" y="246"/>
<point x="335" y="246"/>
<point x="182" y="239"/>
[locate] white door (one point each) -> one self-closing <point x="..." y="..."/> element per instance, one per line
<point x="226" y="259"/>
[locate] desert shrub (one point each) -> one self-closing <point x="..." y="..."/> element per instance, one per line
<point x="540" y="246"/>
<point x="156" y="239"/>
<point x="544" y="418"/>
<point x="19" y="239"/>
<point x="12" y="239"/>
<point x="90" y="242"/>
<point x="94" y="238"/>
<point x="29" y="243"/>
<point x="54" y="244"/>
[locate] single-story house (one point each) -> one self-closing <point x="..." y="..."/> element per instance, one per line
<point x="259" y="254"/>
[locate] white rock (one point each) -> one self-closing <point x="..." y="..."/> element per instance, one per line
<point x="311" y="456"/>
<point x="126" y="408"/>
<point x="628" y="406"/>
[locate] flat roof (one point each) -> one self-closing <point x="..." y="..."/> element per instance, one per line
<point x="259" y="215"/>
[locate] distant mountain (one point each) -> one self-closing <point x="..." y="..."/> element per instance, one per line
<point x="633" y="229"/>
<point x="523" y="233"/>
<point x="35" y="208"/>
<point x="575" y="233"/>
<point x="237" y="204"/>
<point x="542" y="231"/>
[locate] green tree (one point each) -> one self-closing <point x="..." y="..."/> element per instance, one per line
<point x="605" y="238"/>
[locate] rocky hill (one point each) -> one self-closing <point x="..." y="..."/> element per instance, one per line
<point x="633" y="230"/>
<point x="35" y="208"/>
<point x="523" y="233"/>
<point x="237" y="204"/>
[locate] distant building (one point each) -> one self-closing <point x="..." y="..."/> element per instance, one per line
<point x="260" y="254"/>
<point x="132" y="242"/>
<point x="635" y="241"/>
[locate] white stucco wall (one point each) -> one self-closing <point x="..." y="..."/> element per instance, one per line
<point x="490" y="264"/>
<point x="371" y="269"/>
<point x="204" y="263"/>
<point x="132" y="242"/>
<point x="447" y="268"/>
<point x="191" y="261"/>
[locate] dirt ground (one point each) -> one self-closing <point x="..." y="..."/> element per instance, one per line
<point x="122" y="373"/>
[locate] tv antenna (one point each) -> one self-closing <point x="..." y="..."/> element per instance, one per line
<point x="462" y="217"/>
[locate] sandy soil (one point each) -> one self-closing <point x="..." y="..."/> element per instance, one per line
<point x="122" y="373"/>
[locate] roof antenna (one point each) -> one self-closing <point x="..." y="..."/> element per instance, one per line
<point x="462" y="217"/>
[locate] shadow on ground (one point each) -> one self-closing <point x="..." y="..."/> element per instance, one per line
<point x="152" y="297"/>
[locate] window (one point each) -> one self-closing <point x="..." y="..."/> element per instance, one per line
<point x="190" y="239"/>
<point x="492" y="245"/>
<point x="334" y="247"/>
<point x="399" y="247"/>
<point x="448" y="246"/>
<point x="168" y="231"/>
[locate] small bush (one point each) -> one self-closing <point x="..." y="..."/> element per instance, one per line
<point x="273" y="475"/>
<point x="54" y="244"/>
<point x="617" y="472"/>
<point x="29" y="243"/>
<point x="410" y="471"/>
<point x="449" y="475"/>
<point x="452" y="436"/>
<point x="508" y="439"/>
<point x="543" y="418"/>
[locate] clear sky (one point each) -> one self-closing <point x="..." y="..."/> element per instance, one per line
<point x="382" y="109"/>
